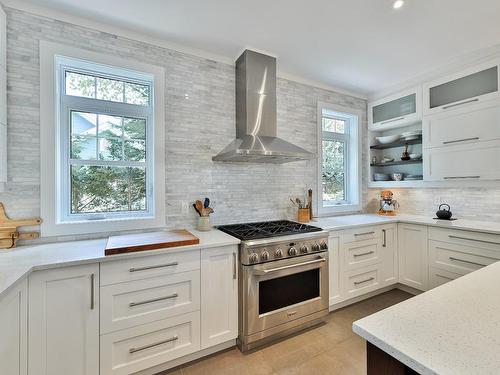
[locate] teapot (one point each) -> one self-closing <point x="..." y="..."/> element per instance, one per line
<point x="444" y="214"/>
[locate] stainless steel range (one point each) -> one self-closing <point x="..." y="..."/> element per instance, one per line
<point x="283" y="284"/>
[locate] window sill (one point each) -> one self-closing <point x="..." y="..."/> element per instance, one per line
<point x="340" y="209"/>
<point x="99" y="226"/>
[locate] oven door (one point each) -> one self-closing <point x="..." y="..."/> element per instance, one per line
<point x="281" y="291"/>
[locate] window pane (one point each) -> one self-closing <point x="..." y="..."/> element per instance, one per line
<point x="109" y="89"/>
<point x="134" y="128"/>
<point x="333" y="179"/>
<point x="136" y="94"/>
<point x="83" y="148"/>
<point x="110" y="148"/>
<point x="80" y="85"/>
<point x="333" y="125"/>
<point x="135" y="150"/>
<point x="83" y="123"/>
<point x="107" y="189"/>
<point x="110" y="126"/>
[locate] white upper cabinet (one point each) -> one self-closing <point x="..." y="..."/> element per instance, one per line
<point x="401" y="109"/>
<point x="463" y="126"/>
<point x="463" y="89"/>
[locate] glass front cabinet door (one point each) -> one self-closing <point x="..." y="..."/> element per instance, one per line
<point x="397" y="110"/>
<point x="464" y="89"/>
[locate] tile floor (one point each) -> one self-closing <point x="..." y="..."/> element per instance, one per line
<point x="330" y="349"/>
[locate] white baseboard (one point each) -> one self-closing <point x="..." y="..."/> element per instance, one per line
<point x="188" y="358"/>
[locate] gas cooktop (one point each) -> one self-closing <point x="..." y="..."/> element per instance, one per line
<point x="267" y="229"/>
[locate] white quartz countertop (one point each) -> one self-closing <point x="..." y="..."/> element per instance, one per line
<point x="19" y="262"/>
<point x="352" y="221"/>
<point x="453" y="329"/>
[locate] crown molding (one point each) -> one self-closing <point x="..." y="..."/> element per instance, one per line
<point x="455" y="64"/>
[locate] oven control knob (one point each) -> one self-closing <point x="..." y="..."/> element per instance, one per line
<point x="292" y="251"/>
<point x="315" y="247"/>
<point x="264" y="256"/>
<point x="253" y="258"/>
<point x="278" y="253"/>
<point x="323" y="246"/>
<point x="303" y="249"/>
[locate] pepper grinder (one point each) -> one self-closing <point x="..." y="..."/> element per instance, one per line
<point x="405" y="155"/>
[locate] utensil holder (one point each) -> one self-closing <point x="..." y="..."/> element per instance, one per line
<point x="303" y="215"/>
<point x="204" y="223"/>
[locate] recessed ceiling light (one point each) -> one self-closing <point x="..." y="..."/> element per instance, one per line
<point x="398" y="4"/>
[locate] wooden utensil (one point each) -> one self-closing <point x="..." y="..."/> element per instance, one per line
<point x="9" y="234"/>
<point x="199" y="208"/>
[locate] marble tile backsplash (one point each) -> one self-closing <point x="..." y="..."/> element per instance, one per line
<point x="200" y="121"/>
<point x="467" y="203"/>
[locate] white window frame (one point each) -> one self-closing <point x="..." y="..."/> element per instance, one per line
<point x="54" y="108"/>
<point x="352" y="160"/>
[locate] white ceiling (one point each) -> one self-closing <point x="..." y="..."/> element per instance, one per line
<point x="358" y="45"/>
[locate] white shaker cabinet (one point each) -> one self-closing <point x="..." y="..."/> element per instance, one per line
<point x="389" y="256"/>
<point x="219" y="295"/>
<point x="13" y="331"/>
<point x="334" y="277"/>
<point x="413" y="256"/>
<point x="64" y="321"/>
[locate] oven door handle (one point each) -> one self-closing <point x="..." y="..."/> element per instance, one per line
<point x="271" y="270"/>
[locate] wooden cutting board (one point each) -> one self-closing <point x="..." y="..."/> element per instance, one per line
<point x="149" y="241"/>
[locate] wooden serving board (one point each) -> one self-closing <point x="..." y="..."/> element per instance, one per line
<point x="149" y="241"/>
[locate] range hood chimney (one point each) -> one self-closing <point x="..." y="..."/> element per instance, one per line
<point x="256" y="139"/>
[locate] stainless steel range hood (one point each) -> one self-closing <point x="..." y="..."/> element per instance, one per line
<point x="256" y="139"/>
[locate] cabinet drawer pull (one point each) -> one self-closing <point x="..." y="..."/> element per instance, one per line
<point x="461" y="103"/>
<point x="133" y="304"/>
<point x="92" y="291"/>
<point x="234" y="266"/>
<point x="137" y="269"/>
<point x="363" y="234"/>
<point x="459" y="177"/>
<point x="363" y="254"/>
<point x="467" y="261"/>
<point x="461" y="140"/>
<point x="135" y="350"/>
<point x="389" y="121"/>
<point x="384" y="235"/>
<point x="473" y="239"/>
<point x="364" y="281"/>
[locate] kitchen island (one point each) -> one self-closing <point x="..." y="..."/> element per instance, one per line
<point x="452" y="329"/>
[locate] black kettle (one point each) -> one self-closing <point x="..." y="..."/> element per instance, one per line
<point x="444" y="214"/>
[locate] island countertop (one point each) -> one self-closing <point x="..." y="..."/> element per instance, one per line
<point x="453" y="329"/>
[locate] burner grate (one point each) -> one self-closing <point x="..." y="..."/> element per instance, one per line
<point x="267" y="229"/>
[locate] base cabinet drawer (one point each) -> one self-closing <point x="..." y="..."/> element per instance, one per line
<point x="132" y="303"/>
<point x="439" y="277"/>
<point x="460" y="259"/>
<point x="361" y="234"/>
<point x="140" y="268"/>
<point x="362" y="281"/>
<point x="361" y="254"/>
<point x="135" y="349"/>
<point x="478" y="240"/>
